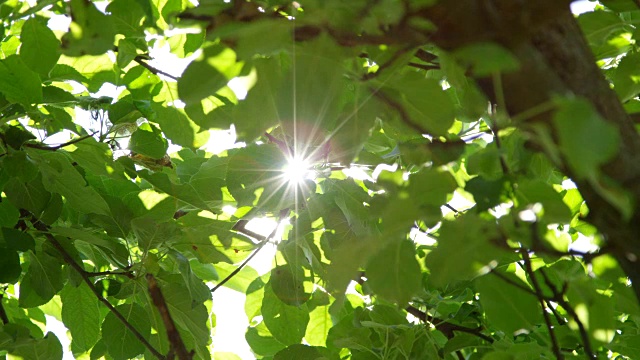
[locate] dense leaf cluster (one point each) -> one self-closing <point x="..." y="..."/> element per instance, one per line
<point x="437" y="216"/>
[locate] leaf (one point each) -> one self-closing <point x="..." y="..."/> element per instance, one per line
<point x="41" y="349"/>
<point x="191" y="318"/>
<point x="508" y="308"/>
<point x="148" y="141"/>
<point x="463" y="250"/>
<point x="81" y="315"/>
<point x="30" y="195"/>
<point x="394" y="273"/>
<point x="9" y="214"/>
<point x="431" y="187"/>
<point x="287" y="282"/>
<point x="178" y="128"/>
<point x="486" y="59"/>
<point x="586" y="139"/>
<point x="10" y="269"/>
<point x="298" y="351"/>
<point x="120" y="341"/>
<point x="425" y="102"/>
<point x="90" y="33"/>
<point x="287" y="323"/>
<point x="44" y="274"/>
<point x="40" y="48"/>
<point x="486" y="193"/>
<point x="17" y="240"/>
<point x="18" y="83"/>
<point x="555" y="210"/>
<point x="255" y="167"/>
<point x="60" y="176"/>
<point x="154" y="235"/>
<point x="205" y="77"/>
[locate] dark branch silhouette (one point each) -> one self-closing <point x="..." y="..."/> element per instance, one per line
<point x="177" y="346"/>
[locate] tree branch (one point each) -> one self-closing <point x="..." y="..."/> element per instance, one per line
<point x="60" y="146"/>
<point x="3" y="313"/>
<point x="128" y="274"/>
<point x="83" y="274"/>
<point x="253" y="254"/>
<point x="141" y="60"/>
<point x="445" y="327"/>
<point x="558" y="297"/>
<point x="177" y="345"/>
<point x="541" y="299"/>
<point x="404" y="116"/>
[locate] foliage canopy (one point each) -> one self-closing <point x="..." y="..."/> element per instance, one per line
<point x="435" y="217"/>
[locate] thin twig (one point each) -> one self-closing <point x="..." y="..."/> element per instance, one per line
<point x="254" y="253"/>
<point x="404" y="116"/>
<point x="511" y="282"/>
<point x="3" y="313"/>
<point x="558" y="297"/>
<point x="140" y="60"/>
<point x="128" y="274"/>
<point x="541" y="299"/>
<point x="177" y="345"/>
<point x="397" y="55"/>
<point x="56" y="147"/>
<point x="445" y="327"/>
<point x="65" y="255"/>
<point x="241" y="266"/>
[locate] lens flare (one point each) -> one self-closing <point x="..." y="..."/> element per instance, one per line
<point x="296" y="171"/>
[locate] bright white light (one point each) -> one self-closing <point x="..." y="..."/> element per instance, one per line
<point x="296" y="171"/>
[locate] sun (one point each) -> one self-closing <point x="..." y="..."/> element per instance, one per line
<point x="296" y="171"/>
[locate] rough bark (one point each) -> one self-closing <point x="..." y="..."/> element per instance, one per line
<point x="555" y="60"/>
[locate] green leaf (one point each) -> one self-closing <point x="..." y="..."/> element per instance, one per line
<point x="81" y="315"/>
<point x="287" y="282"/>
<point x="47" y="348"/>
<point x="153" y="235"/>
<point x="17" y="240"/>
<point x="431" y="187"/>
<point x="191" y="318"/>
<point x="205" y="77"/>
<point x="425" y="102"/>
<point x="18" y="83"/>
<point x="256" y="167"/>
<point x="120" y="341"/>
<point x="178" y="128"/>
<point x="90" y="33"/>
<point x="126" y="53"/>
<point x="287" y="323"/>
<point x="16" y="136"/>
<point x="44" y="274"/>
<point x="487" y="194"/>
<point x="299" y="351"/>
<point x="9" y="214"/>
<point x="60" y="176"/>
<point x="586" y="139"/>
<point x="10" y="269"/>
<point x="536" y="191"/>
<point x="148" y="141"/>
<point x="463" y="250"/>
<point x="30" y="195"/>
<point x="394" y="273"/>
<point x="486" y="59"/>
<point x="507" y="307"/>
<point x="40" y="48"/>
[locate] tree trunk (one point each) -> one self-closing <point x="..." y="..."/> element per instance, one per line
<point x="554" y="60"/>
